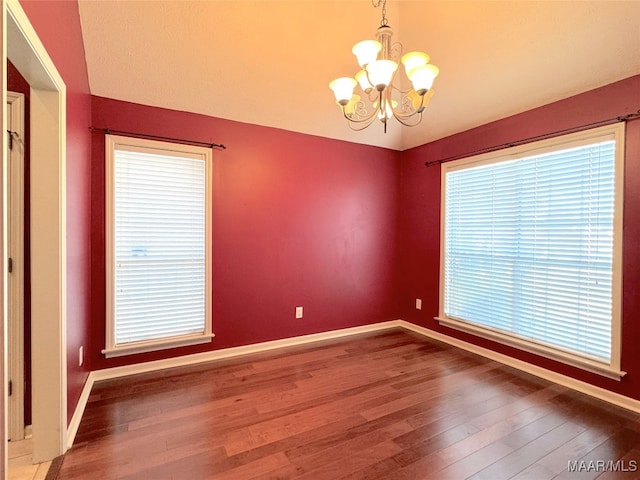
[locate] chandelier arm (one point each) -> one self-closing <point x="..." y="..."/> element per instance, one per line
<point x="358" y="127"/>
<point x="402" y="119"/>
<point x="398" y="114"/>
<point x="373" y="95"/>
<point x="395" y="50"/>
<point x="366" y="120"/>
<point x="366" y="74"/>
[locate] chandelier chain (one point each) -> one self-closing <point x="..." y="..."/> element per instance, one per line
<point x="376" y="4"/>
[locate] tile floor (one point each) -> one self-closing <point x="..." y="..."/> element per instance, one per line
<point x="20" y="465"/>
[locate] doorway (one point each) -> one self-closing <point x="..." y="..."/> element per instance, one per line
<point x="48" y="233"/>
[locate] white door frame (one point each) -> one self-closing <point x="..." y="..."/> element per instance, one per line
<point x="48" y="232"/>
<point x="15" y="251"/>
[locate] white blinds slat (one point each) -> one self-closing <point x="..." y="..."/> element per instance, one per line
<point x="529" y="247"/>
<point x="159" y="246"/>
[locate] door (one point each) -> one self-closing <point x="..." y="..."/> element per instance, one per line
<point x="15" y="262"/>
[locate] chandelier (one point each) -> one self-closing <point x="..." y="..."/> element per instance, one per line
<point x="383" y="99"/>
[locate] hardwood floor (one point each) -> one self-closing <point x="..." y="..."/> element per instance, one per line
<point x="387" y="406"/>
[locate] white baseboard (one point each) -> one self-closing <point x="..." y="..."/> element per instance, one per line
<point x="195" y="358"/>
<point x="74" y="424"/>
<point x="572" y="383"/>
<point x="116" y="372"/>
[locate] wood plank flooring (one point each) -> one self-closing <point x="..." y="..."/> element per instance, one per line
<point x="389" y="405"/>
<point x="20" y="462"/>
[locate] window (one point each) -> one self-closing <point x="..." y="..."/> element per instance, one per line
<point x="158" y="245"/>
<point x="531" y="247"/>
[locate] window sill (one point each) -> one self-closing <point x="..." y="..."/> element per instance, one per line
<point x="538" y="349"/>
<point x="154" y="345"/>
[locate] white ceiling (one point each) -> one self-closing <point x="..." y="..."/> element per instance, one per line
<point x="270" y="62"/>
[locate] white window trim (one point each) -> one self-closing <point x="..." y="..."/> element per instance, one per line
<point x="613" y="132"/>
<point x="112" y="143"/>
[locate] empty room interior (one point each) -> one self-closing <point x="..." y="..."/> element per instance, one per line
<point x="364" y="239"/>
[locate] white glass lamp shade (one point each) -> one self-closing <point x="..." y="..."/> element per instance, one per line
<point x="412" y="60"/>
<point x="366" y="51"/>
<point x="343" y="89"/>
<point x="381" y="72"/>
<point x="362" y="79"/>
<point x="422" y="77"/>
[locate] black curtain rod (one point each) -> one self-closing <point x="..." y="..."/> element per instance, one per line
<point x="602" y="123"/>
<point x="108" y="131"/>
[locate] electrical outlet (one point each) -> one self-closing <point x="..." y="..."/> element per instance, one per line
<point x="80" y="356"/>
<point x="418" y="304"/>
<point x="298" y="312"/>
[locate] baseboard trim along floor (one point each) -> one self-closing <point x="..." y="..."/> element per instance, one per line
<point x="116" y="372"/>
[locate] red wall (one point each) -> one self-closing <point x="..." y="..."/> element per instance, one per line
<point x="302" y="220"/>
<point x="297" y="220"/>
<point x="419" y="218"/>
<point x="57" y="24"/>
<point x="17" y="83"/>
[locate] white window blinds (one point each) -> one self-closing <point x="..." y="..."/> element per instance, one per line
<point x="529" y="244"/>
<point x="159" y="249"/>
